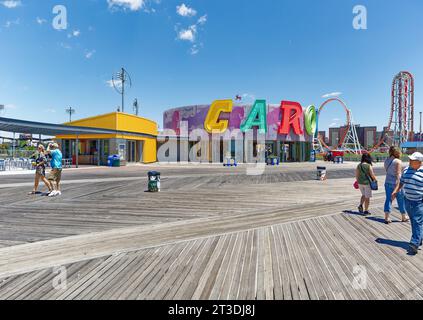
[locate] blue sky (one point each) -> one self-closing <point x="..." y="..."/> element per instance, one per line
<point x="193" y="52"/>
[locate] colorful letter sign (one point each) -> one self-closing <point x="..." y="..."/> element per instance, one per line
<point x="310" y="120"/>
<point x="256" y="118"/>
<point x="212" y="123"/>
<point x="295" y="120"/>
<point x="292" y="114"/>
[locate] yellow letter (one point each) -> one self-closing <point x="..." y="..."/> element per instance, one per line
<point x="212" y="123"/>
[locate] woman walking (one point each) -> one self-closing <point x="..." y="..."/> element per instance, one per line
<point x="364" y="174"/>
<point x="393" y="167"/>
<point x="40" y="170"/>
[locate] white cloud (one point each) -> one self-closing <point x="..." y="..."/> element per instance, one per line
<point x="202" y="20"/>
<point x="50" y="110"/>
<point x="8" y="24"/>
<point x="74" y="33"/>
<point x="11" y="4"/>
<point x="65" y="46"/>
<point x="333" y="94"/>
<point x="118" y="83"/>
<point x="333" y="125"/>
<point x="185" y="11"/>
<point x="89" y="54"/>
<point x="41" y="21"/>
<point x="10" y="107"/>
<point x="188" y="34"/>
<point x="133" y="5"/>
<point x="194" y="50"/>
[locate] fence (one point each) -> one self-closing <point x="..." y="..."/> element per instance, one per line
<point x="15" y="164"/>
<point x="22" y="160"/>
<point x="9" y="153"/>
<point x="355" y="158"/>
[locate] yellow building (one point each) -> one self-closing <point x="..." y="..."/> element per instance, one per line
<point x="133" y="138"/>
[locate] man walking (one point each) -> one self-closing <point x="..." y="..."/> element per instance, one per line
<point x="56" y="169"/>
<point x="412" y="182"/>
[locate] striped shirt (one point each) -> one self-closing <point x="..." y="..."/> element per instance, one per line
<point x="413" y="183"/>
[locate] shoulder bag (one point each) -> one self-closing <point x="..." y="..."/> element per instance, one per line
<point x="373" y="184"/>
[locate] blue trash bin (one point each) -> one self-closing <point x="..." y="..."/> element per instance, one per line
<point x="313" y="156"/>
<point x="110" y="161"/>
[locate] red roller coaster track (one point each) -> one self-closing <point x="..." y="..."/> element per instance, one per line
<point x="347" y="126"/>
<point x="401" y="119"/>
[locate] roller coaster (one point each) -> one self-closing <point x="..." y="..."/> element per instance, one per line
<point x="400" y="126"/>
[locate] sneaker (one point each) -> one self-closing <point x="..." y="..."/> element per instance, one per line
<point x="58" y="193"/>
<point x="53" y="193"/>
<point x="360" y="209"/>
<point x="367" y="213"/>
<point x="413" y="249"/>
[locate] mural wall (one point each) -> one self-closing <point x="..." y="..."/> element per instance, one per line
<point x="196" y="115"/>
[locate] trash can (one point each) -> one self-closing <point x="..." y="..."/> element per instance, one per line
<point x="313" y="156"/>
<point x="110" y="161"/>
<point x="154" y="181"/>
<point x="116" y="161"/>
<point x="321" y="173"/>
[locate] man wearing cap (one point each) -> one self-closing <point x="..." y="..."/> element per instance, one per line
<point x="412" y="182"/>
<point x="56" y="169"/>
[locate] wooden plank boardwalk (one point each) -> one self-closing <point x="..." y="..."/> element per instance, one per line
<point x="311" y="259"/>
<point x="99" y="206"/>
<point x="239" y="239"/>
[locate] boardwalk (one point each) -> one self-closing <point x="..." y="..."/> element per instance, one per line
<point x="208" y="235"/>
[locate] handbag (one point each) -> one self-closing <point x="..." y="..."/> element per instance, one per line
<point x="373" y="184"/>
<point x="356" y="186"/>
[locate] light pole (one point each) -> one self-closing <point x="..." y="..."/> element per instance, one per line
<point x="71" y="111"/>
<point x="119" y="81"/>
<point x="136" y="107"/>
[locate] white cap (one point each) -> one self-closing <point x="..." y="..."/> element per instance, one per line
<point x="417" y="156"/>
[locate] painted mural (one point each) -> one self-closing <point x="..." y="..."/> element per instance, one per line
<point x="196" y="115"/>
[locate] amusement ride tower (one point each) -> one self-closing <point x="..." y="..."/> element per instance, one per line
<point x="400" y="127"/>
<point x="401" y="121"/>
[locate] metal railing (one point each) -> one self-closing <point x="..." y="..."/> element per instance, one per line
<point x="10" y="153"/>
<point x="15" y="164"/>
<point x="23" y="160"/>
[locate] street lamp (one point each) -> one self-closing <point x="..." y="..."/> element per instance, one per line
<point x="71" y="111"/>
